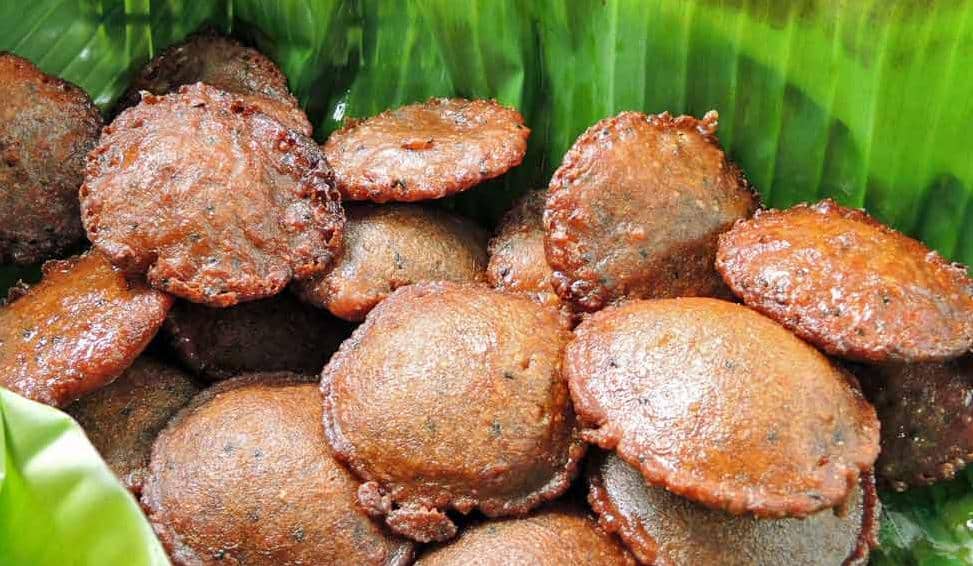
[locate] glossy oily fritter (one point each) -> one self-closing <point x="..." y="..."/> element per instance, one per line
<point x="517" y="260"/>
<point x="47" y="127"/>
<point x="426" y="151"/>
<point x="850" y="285"/>
<point x="927" y="420"/>
<point x="635" y="209"/>
<point x="76" y="330"/>
<point x="218" y="203"/>
<point x="123" y="418"/>
<point x="555" y="536"/>
<point x="391" y="246"/>
<point x="720" y="404"/>
<point x="243" y="475"/>
<point x="275" y="334"/>
<point x="450" y="396"/>
<point x="665" y="529"/>
<point x="223" y="63"/>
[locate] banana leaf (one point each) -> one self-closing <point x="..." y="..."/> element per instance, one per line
<point x="866" y="101"/>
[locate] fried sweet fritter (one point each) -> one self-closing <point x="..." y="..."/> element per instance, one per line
<point x="218" y="203"/>
<point x="76" y="330"/>
<point x="850" y="285"/>
<point x="722" y="405"/>
<point x="47" y="127"/>
<point x="450" y="396"/>
<point x="243" y="475"/>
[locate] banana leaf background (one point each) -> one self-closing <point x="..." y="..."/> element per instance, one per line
<point x="866" y="101"/>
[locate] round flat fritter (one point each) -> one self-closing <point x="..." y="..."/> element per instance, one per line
<point x="225" y="64"/>
<point x="47" y="127"/>
<point x="426" y="151"/>
<point x="243" y="475"/>
<point x="722" y="405"/>
<point x="275" y="334"/>
<point x="76" y="330"/>
<point x="123" y="418"/>
<point x="635" y="209"/>
<point x="927" y="420"/>
<point x="451" y="396"/>
<point x="850" y="285"/>
<point x="667" y="530"/>
<point x="556" y="536"/>
<point x="391" y="246"/>
<point x="217" y="202"/>
<point x="517" y="260"/>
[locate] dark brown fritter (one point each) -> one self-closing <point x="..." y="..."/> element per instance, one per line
<point x="556" y="536"/>
<point x="391" y="246"/>
<point x="722" y="405"/>
<point x="47" y="127"/>
<point x="850" y="285"/>
<point x="450" y="396"/>
<point x="667" y="530"/>
<point x="76" y="330"/>
<point x="123" y="418"/>
<point x="276" y="334"/>
<point x="635" y="209"/>
<point x="225" y="64"/>
<point x="517" y="260"/>
<point x="243" y="475"/>
<point x="927" y="420"/>
<point x="218" y="203"/>
<point x="426" y="151"/>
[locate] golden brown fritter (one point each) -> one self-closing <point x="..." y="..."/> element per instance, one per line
<point x="391" y="246"/>
<point x="47" y="127"/>
<point x="635" y="209"/>
<point x="218" y="203"/>
<point x="275" y="334"/>
<point x="517" y="260"/>
<point x="720" y="404"/>
<point x="426" y="151"/>
<point x="223" y="63"/>
<point x="450" y="396"/>
<point x="665" y="529"/>
<point x="243" y="475"/>
<point x="76" y="330"/>
<point x="927" y="420"/>
<point x="123" y="418"/>
<point x="556" y="536"/>
<point x="850" y="285"/>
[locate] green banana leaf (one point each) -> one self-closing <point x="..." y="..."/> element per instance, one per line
<point x="866" y="101"/>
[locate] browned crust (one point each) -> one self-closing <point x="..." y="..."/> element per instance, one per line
<point x="645" y="548"/>
<point x="380" y="183"/>
<point x="580" y="284"/>
<point x="416" y="520"/>
<point x="902" y="341"/>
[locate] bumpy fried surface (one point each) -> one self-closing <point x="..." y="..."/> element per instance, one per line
<point x="927" y="420"/>
<point x="665" y="529"/>
<point x="391" y="246"/>
<point x="123" y="418"/>
<point x="227" y="65"/>
<point x="553" y="537"/>
<point x="451" y="396"/>
<point x="243" y="475"/>
<point x="517" y="260"/>
<point x="214" y="200"/>
<point x="849" y="285"/>
<point x="76" y="330"/>
<point x="721" y="405"/>
<point x="426" y="151"/>
<point x="276" y="334"/>
<point x="47" y="127"/>
<point x="635" y="209"/>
